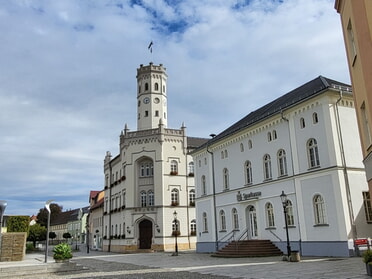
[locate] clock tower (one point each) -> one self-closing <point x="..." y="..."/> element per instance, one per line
<point x="151" y="96"/>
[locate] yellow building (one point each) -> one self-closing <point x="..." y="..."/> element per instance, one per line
<point x="356" y="20"/>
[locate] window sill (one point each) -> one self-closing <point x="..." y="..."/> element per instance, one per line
<point x="270" y="228"/>
<point x="268" y="179"/>
<point x="321" y="225"/>
<point x="222" y="231"/>
<point x="313" y="168"/>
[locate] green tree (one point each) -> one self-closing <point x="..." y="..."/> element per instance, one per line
<point x="42" y="216"/>
<point x="66" y="235"/>
<point x="18" y="224"/>
<point x="52" y="235"/>
<point x="36" y="233"/>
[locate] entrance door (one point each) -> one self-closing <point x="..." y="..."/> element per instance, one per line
<point x="145" y="234"/>
<point x="252" y="222"/>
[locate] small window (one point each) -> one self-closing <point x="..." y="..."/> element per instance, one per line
<point x="204" y="185"/>
<point x="205" y="222"/>
<point x="174" y="167"/>
<point x="225" y="179"/>
<point x="174" y="197"/>
<point x="312" y="153"/>
<point x="267" y="167"/>
<point x="143" y="199"/>
<point x="248" y="172"/>
<point x="270" y="221"/>
<point x="241" y="147"/>
<point x="275" y="136"/>
<point x="222" y="155"/>
<point x="156" y="113"/>
<point x="367" y="206"/>
<point x="146" y="86"/>
<point x="315" y="118"/>
<point x="249" y="144"/>
<point x="302" y="123"/>
<point x="269" y="136"/>
<point x="146" y="113"/>
<point x="319" y="210"/>
<point x="156" y="86"/>
<point x="151" y="198"/>
<point x="192" y="197"/>
<point x="282" y="163"/>
<point x="235" y="219"/>
<point x="222" y="221"/>
<point x="226" y="154"/>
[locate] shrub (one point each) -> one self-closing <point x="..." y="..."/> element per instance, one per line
<point x="62" y="252"/>
<point x="367" y="256"/>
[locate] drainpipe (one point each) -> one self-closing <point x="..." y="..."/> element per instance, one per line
<point x="346" y="177"/>
<point x="214" y="195"/>
<point x="109" y="207"/>
<point x="293" y="173"/>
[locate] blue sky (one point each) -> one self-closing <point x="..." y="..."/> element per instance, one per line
<point x="68" y="77"/>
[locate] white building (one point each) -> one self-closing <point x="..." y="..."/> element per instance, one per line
<point x="151" y="178"/>
<point x="304" y="143"/>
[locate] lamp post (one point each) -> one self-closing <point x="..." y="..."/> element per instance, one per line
<point x="47" y="207"/>
<point x="3" y="205"/>
<point x="175" y="233"/>
<point x="284" y="199"/>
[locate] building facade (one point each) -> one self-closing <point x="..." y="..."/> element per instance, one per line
<point x="302" y="144"/>
<point x="356" y="21"/>
<point x="149" y="185"/>
<point x="95" y="220"/>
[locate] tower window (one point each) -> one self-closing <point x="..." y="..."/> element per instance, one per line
<point x="146" y="113"/>
<point x="156" y="113"/>
<point x="156" y="86"/>
<point x="146" y="86"/>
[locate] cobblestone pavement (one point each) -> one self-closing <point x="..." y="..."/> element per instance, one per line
<point x="192" y="265"/>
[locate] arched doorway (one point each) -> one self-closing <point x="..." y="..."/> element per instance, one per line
<point x="145" y="234"/>
<point x="251" y="217"/>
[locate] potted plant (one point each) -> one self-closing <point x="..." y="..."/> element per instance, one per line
<point x="367" y="259"/>
<point x="62" y="252"/>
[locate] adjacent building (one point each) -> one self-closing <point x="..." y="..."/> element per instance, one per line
<point x="304" y="145"/>
<point x="356" y="21"/>
<point x="95" y="220"/>
<point x="149" y="190"/>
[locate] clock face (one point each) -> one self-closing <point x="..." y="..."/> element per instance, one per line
<point x="156" y="100"/>
<point x="146" y="100"/>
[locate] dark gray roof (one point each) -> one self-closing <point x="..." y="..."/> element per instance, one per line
<point x="193" y="143"/>
<point x="294" y="97"/>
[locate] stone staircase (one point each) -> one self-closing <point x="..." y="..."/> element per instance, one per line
<point x="249" y="248"/>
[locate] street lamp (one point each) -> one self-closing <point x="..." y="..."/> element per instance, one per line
<point x="175" y="231"/>
<point x="284" y="199"/>
<point x="47" y="206"/>
<point x="3" y="205"/>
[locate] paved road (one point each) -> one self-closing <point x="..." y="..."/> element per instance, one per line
<point x="191" y="265"/>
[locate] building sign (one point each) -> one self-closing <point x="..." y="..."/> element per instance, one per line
<point x="248" y="196"/>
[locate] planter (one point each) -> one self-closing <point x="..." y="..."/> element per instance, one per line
<point x="369" y="268"/>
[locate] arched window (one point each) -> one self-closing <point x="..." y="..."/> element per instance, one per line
<point x="225" y="179"/>
<point x="282" y="162"/>
<point x="191" y="169"/>
<point x="289" y="212"/>
<point x="204" y="185"/>
<point x="143" y="197"/>
<point x="226" y="154"/>
<point x="275" y="136"/>
<point x="241" y="147"/>
<point x="193" y="227"/>
<point x="302" y="123"/>
<point x="222" y="155"/>
<point x="248" y="172"/>
<point x="319" y="210"/>
<point x="174" y="167"/>
<point x="146" y="169"/>
<point x="150" y="194"/>
<point x="156" y="86"/>
<point x="312" y="153"/>
<point x="315" y="118"/>
<point x="250" y="144"/>
<point x="269" y="136"/>
<point x="205" y="222"/>
<point x="270" y="215"/>
<point x="222" y="221"/>
<point x="235" y="219"/>
<point x="267" y="167"/>
<point x="192" y="197"/>
<point x="175" y="227"/>
<point x="146" y="86"/>
<point x="174" y="197"/>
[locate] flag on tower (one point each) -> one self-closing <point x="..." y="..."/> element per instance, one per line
<point x="150" y="46"/>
